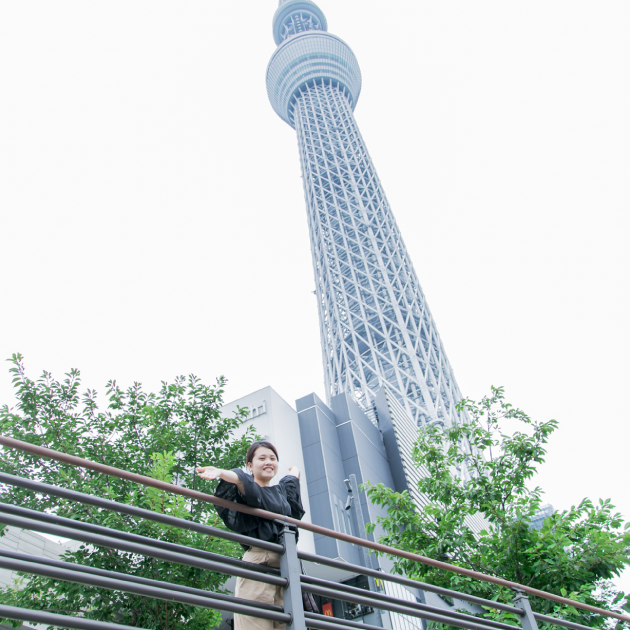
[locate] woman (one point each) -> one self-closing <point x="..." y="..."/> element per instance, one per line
<point x="255" y="490"/>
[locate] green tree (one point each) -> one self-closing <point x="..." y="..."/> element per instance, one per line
<point x="478" y="472"/>
<point x="161" y="435"/>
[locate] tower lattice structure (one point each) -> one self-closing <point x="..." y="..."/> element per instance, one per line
<point x="375" y="325"/>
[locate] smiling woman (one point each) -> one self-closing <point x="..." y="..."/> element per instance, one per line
<point x="254" y="489"/>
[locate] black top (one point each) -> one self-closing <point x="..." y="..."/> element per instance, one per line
<point x="281" y="499"/>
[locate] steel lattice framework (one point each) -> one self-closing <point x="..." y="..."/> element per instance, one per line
<point x="376" y="328"/>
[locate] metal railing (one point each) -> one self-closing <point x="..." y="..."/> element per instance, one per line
<point x="289" y="575"/>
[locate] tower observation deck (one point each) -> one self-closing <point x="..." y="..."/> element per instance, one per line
<point x="375" y="325"/>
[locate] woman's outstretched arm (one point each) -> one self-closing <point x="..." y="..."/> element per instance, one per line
<point x="210" y="473"/>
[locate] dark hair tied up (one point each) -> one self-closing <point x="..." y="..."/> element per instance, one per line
<point x="251" y="451"/>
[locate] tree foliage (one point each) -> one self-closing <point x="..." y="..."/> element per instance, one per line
<point x="163" y="435"/>
<point x="476" y="480"/>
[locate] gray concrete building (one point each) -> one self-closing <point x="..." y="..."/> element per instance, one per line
<point x="331" y="444"/>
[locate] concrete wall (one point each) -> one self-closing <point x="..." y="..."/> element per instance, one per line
<point x="33" y="544"/>
<point x="325" y="472"/>
<point x="363" y="450"/>
<point x="336" y="443"/>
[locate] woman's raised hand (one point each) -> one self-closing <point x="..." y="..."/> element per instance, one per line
<point x="295" y="471"/>
<point x="208" y="472"/>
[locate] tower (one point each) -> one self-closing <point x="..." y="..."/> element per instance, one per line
<point x="375" y="325"/>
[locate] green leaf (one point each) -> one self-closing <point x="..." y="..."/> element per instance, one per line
<point x="135" y="430"/>
<point x="482" y="468"/>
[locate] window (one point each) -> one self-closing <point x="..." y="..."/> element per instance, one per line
<point x="343" y="519"/>
<point x="352" y="610"/>
<point x="258" y="410"/>
<point x="348" y="522"/>
<point x="339" y="520"/>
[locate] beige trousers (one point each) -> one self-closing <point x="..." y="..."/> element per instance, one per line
<point x="259" y="592"/>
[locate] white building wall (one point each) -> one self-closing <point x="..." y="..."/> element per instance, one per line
<point x="33" y="544"/>
<point x="275" y="420"/>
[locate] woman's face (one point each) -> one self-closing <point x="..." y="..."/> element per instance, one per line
<point x="264" y="464"/>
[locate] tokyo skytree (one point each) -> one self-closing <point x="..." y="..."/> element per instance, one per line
<point x="375" y="325"/>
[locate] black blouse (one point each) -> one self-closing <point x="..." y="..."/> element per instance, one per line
<point x="281" y="499"/>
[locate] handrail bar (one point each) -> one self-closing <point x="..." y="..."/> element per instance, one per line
<point x="561" y="622"/>
<point x="35" y="561"/>
<point x="323" y="622"/>
<point x="194" y="494"/>
<point x="381" y="597"/>
<point x="145" y="550"/>
<point x="398" y="579"/>
<point x="61" y="621"/>
<point x="44" y="517"/>
<point x="468" y="622"/>
<point x="173" y="521"/>
<point x="52" y="518"/>
<point x="131" y="510"/>
<point x="16" y="510"/>
<point x="165" y="594"/>
<point x="317" y="623"/>
<point x="82" y="568"/>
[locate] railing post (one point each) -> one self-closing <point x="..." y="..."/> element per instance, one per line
<point x="528" y="621"/>
<point x="290" y="569"/>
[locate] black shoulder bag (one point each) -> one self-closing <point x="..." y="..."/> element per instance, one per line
<point x="307" y="598"/>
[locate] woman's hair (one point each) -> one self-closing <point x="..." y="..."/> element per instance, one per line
<point x="251" y="451"/>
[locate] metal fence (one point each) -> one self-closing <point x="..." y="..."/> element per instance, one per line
<point x="289" y="575"/>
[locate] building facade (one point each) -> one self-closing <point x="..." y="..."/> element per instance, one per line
<point x="332" y="443"/>
<point x="34" y="544"/>
<point x="375" y="325"/>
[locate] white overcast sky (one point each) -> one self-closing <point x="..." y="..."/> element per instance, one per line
<point x="153" y="224"/>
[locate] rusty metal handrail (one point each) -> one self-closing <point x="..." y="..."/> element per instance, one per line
<point x="41" y="451"/>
